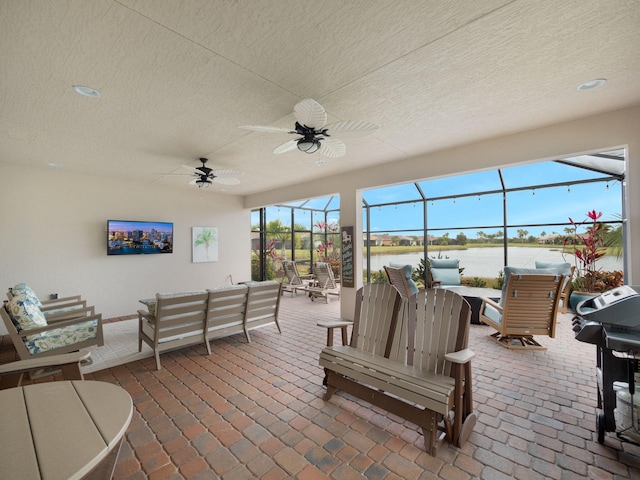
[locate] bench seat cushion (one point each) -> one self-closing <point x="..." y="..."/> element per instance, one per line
<point x="152" y="302"/>
<point x="409" y="383"/>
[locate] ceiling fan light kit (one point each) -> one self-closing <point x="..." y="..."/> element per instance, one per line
<point x="311" y="118"/>
<point x="308" y="145"/>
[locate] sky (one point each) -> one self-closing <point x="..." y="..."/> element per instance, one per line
<point x="484" y="213"/>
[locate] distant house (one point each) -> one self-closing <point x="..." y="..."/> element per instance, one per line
<point x="406" y="241"/>
<point x="378" y="240"/>
<point x="551" y="239"/>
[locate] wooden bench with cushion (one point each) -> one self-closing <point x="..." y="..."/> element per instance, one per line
<point x="173" y="320"/>
<point x="176" y="320"/>
<point x="417" y="369"/>
<point x="263" y="305"/>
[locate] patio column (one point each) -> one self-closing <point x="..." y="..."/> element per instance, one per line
<point x="351" y="215"/>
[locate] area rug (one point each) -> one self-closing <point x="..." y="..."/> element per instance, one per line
<point x="120" y="346"/>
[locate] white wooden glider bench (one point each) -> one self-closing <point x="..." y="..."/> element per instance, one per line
<point x="176" y="320"/>
<point x="410" y="357"/>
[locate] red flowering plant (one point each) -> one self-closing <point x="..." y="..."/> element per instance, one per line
<point x="328" y="250"/>
<point x="588" y="248"/>
<point x="271" y="257"/>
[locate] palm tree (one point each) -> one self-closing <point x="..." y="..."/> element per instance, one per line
<point x="207" y="238"/>
<point x="276" y="229"/>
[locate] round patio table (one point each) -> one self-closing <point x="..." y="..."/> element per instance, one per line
<point x="62" y="430"/>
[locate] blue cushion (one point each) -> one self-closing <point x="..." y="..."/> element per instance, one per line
<point x="563" y="268"/>
<point x="444" y="263"/>
<point x="492" y="313"/>
<point x="523" y="271"/>
<point x="445" y="270"/>
<point x="407" y="270"/>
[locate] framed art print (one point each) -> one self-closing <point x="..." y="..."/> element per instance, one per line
<point x="204" y="244"/>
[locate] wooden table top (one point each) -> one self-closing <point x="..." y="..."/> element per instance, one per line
<point x="60" y="430"/>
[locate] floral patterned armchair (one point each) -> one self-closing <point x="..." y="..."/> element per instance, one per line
<point x="56" y="308"/>
<point x="35" y="335"/>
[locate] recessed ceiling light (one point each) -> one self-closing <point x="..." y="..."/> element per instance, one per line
<point x="54" y="165"/>
<point x="598" y="82"/>
<point x="86" y="91"/>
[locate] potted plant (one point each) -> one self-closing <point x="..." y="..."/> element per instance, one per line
<point x="587" y="248"/>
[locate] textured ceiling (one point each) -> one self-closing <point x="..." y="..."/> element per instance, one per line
<point x="177" y="78"/>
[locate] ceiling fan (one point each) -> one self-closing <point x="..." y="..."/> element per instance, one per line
<point x="205" y="176"/>
<point x="315" y="135"/>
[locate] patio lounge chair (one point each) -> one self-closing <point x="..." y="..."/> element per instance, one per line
<point x="400" y="277"/>
<point x="444" y="272"/>
<point x="294" y="281"/>
<point x="325" y="283"/>
<point x="528" y="307"/>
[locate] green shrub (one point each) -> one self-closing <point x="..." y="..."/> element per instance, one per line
<point x="378" y="277"/>
<point x="477" y="282"/>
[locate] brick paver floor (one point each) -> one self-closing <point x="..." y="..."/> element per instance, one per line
<point x="255" y="410"/>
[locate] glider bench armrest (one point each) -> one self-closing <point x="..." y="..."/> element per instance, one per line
<point x="406" y="382"/>
<point x="460" y="357"/>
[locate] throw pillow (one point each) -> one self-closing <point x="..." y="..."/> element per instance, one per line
<point x="24" y="314"/>
<point x="27" y="291"/>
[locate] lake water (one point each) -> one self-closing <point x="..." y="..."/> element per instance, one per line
<point x="487" y="262"/>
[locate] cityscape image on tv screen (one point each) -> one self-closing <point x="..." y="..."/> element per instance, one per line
<point x="127" y="237"/>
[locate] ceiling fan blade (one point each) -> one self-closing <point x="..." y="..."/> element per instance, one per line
<point x="332" y="148"/>
<point x="226" y="180"/>
<point x="310" y="113"/>
<point x="193" y="182"/>
<point x="352" y="129"/>
<point x="286" y="146"/>
<point x="261" y="128"/>
<point x="193" y="170"/>
<point x="226" y="173"/>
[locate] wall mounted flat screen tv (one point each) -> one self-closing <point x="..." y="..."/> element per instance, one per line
<point x="126" y="237"/>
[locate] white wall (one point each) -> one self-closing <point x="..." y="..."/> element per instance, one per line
<point x="53" y="236"/>
<point x="619" y="128"/>
<point x="52" y="232"/>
